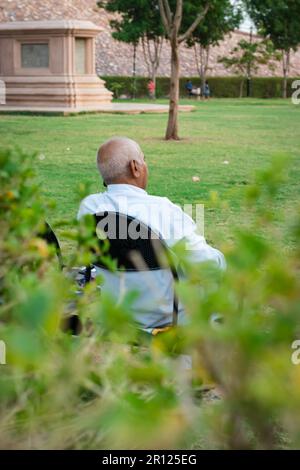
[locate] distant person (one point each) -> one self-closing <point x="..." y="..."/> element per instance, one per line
<point x="206" y="91"/>
<point x="189" y="87"/>
<point x="151" y="89"/>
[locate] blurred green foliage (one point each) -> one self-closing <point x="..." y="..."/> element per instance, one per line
<point x="110" y="387"/>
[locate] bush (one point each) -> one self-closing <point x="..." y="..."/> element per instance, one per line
<point x="107" y="388"/>
<point x="97" y="390"/>
<point x="221" y="87"/>
<point x="126" y="85"/>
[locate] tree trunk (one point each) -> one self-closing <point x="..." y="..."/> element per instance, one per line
<point x="286" y="69"/>
<point x="202" y="72"/>
<point x="172" y="128"/>
<point x="158" y="44"/>
<point x="153" y="78"/>
<point x="203" y="81"/>
<point x="284" y="94"/>
<point x="202" y="60"/>
<point x="204" y="67"/>
<point x="134" y="72"/>
<point x="242" y="88"/>
<point x="153" y="68"/>
<point x="152" y="56"/>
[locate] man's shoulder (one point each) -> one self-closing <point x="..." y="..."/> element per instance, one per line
<point x="92" y="197"/>
<point x="160" y="201"/>
<point x="89" y="204"/>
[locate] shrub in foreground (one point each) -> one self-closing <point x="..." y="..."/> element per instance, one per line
<point x="111" y="388"/>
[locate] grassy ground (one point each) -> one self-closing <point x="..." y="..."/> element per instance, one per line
<point x="246" y="133"/>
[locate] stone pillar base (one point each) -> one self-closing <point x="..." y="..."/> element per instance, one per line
<point x="50" y="64"/>
<point x="55" y="91"/>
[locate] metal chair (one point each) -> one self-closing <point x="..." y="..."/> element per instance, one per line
<point x="134" y="247"/>
<point x="71" y="323"/>
<point x="49" y="236"/>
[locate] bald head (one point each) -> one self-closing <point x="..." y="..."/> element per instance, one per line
<point x="121" y="160"/>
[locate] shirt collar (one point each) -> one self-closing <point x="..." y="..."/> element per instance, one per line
<point x="112" y="188"/>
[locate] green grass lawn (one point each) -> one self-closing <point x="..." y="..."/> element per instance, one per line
<point x="246" y="133"/>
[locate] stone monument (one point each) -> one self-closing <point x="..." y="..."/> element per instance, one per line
<point x="50" y="66"/>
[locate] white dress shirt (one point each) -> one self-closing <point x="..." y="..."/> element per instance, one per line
<point x="154" y="307"/>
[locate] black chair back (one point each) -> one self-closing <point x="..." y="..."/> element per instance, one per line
<point x="49" y="236"/>
<point x="134" y="246"/>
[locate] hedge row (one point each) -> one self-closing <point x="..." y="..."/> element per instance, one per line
<point x="221" y="87"/>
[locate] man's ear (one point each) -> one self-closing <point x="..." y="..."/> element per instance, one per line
<point x="135" y="170"/>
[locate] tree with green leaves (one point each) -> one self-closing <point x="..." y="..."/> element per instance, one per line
<point x="279" y="21"/>
<point x="139" y="21"/>
<point x="222" y="18"/>
<point x="247" y="56"/>
<point x="172" y="14"/>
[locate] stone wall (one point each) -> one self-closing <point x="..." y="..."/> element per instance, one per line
<point x="115" y="58"/>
